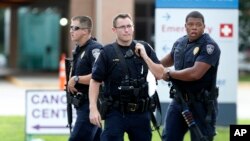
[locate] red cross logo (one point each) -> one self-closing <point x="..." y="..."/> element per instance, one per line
<point x="226" y="30"/>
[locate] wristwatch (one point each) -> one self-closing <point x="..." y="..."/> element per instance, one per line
<point x="168" y="73"/>
<point x="76" y="79"/>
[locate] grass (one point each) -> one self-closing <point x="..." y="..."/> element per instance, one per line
<point x="13" y="129"/>
<point x="244" y="77"/>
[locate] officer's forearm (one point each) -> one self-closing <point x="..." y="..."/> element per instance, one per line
<point x="84" y="79"/>
<point x="191" y="74"/>
<point x="156" y="69"/>
<point x="167" y="61"/>
<point x="93" y="93"/>
<point x="184" y="75"/>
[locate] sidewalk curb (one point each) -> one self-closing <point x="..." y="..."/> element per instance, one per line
<point x="33" y="83"/>
<point x="244" y="85"/>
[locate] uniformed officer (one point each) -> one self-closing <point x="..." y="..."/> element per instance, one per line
<point x="84" y="55"/>
<point x="123" y="67"/>
<point x="195" y="57"/>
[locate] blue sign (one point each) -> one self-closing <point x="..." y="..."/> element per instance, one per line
<point x="214" y="4"/>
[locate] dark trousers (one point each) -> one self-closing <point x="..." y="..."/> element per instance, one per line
<point x="83" y="130"/>
<point x="175" y="126"/>
<point x="136" y="125"/>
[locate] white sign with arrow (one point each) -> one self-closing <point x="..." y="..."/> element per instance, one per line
<point x="46" y="112"/>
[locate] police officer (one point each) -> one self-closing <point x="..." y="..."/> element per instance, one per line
<point x="195" y="57"/>
<point x="84" y="55"/>
<point x="123" y="67"/>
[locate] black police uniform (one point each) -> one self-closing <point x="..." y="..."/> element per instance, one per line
<point x="185" y="54"/>
<point x="128" y="94"/>
<point x="83" y="60"/>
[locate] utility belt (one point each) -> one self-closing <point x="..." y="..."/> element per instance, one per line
<point x="77" y="99"/>
<point x="132" y="99"/>
<point x="129" y="100"/>
<point x="202" y="96"/>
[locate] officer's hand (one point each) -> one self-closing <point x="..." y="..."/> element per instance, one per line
<point x="95" y="117"/>
<point x="71" y="86"/>
<point x="140" y="50"/>
<point x="165" y="75"/>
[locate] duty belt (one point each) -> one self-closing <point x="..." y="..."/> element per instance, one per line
<point x="191" y="97"/>
<point x="142" y="105"/>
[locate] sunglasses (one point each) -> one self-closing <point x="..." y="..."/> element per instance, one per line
<point x="75" y="28"/>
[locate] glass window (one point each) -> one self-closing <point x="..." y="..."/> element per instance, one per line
<point x="140" y="28"/>
<point x="152" y="10"/>
<point x="145" y="20"/>
<point x="140" y="10"/>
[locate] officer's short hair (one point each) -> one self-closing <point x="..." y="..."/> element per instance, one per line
<point x="195" y="14"/>
<point x="122" y="16"/>
<point x="85" y="22"/>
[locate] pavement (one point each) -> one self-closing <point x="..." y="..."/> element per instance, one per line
<point x="13" y="88"/>
<point x="243" y="100"/>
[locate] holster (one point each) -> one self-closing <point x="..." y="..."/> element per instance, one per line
<point x="77" y="99"/>
<point x="104" y="105"/>
<point x="154" y="101"/>
<point x="210" y="99"/>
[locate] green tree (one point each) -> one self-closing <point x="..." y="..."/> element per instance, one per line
<point x="1" y="29"/>
<point x="244" y="28"/>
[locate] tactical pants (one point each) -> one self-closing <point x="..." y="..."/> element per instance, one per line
<point x="137" y="126"/>
<point x="83" y="130"/>
<point x="175" y="126"/>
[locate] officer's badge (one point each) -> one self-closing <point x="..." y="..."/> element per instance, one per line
<point x="82" y="54"/>
<point x="95" y="52"/>
<point x="210" y="49"/>
<point x="196" y="50"/>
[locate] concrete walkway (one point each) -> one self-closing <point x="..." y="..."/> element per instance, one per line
<point x="243" y="101"/>
<point x="13" y="89"/>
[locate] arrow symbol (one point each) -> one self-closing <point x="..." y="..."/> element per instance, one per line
<point x="37" y="127"/>
<point x="166" y="16"/>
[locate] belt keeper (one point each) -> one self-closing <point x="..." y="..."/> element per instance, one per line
<point x="132" y="107"/>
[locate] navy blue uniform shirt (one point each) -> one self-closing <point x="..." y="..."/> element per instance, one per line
<point x="186" y="53"/>
<point x="108" y="67"/>
<point x="83" y="60"/>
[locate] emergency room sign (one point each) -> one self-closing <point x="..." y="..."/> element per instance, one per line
<point x="46" y="112"/>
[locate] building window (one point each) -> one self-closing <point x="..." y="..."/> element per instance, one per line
<point x="145" y="20"/>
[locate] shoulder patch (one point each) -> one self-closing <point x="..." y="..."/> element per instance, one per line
<point x="96" y="52"/>
<point x="210" y="49"/>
